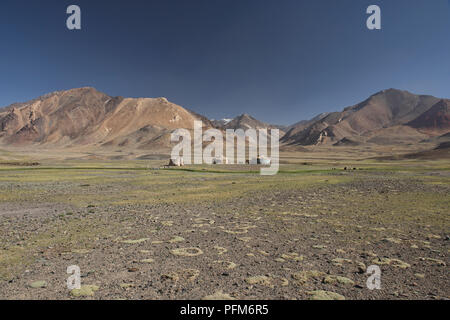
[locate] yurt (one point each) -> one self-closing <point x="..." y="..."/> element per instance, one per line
<point x="261" y="160"/>
<point x="176" y="162"/>
<point x="220" y="160"/>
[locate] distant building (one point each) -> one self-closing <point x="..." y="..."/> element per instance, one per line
<point x="261" y="160"/>
<point x="176" y="162"/>
<point x="222" y="160"/>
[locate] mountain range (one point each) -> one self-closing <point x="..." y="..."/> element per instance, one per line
<point x="87" y="117"/>
<point x="387" y="117"/>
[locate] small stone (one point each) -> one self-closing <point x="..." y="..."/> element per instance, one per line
<point x="361" y="267"/>
<point x="150" y="260"/>
<point x="176" y="239"/>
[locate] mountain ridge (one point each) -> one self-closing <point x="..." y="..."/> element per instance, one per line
<point x="382" y="110"/>
<point x="86" y="116"/>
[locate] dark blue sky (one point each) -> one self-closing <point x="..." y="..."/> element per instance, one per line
<point x="279" y="60"/>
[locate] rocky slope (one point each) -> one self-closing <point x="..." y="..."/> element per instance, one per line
<point x="86" y="116"/>
<point x="383" y="114"/>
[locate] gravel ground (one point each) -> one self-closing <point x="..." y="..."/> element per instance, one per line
<point x="308" y="242"/>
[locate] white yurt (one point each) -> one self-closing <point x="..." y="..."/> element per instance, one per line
<point x="265" y="161"/>
<point x="220" y="160"/>
<point x="176" y="162"/>
<point x="261" y="160"/>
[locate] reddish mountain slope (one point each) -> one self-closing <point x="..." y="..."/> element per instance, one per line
<point x="435" y="120"/>
<point x="384" y="109"/>
<point x="86" y="116"/>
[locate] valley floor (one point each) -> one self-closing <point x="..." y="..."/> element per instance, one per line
<point x="309" y="232"/>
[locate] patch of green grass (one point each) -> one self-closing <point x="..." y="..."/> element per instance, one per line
<point x="62" y="235"/>
<point x="145" y="186"/>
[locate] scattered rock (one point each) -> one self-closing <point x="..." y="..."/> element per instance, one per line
<point x="135" y="241"/>
<point x="84" y="291"/>
<point x="338" y="279"/>
<point x="187" y="252"/>
<point x="229" y="264"/>
<point x="149" y="260"/>
<point x="325" y="295"/>
<point x="339" y="262"/>
<point x="361" y="267"/>
<point x="176" y="239"/>
<point x="303" y="276"/>
<point x="260" y="280"/>
<point x="437" y="262"/>
<point x="221" y="250"/>
<point x="392" y="262"/>
<point x="219" y="295"/>
<point x="292" y="256"/>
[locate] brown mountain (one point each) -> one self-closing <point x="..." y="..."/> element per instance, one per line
<point x="86" y="116"/>
<point x="302" y="125"/>
<point x="245" y="121"/>
<point x="442" y="151"/>
<point x="385" y="109"/>
<point x="436" y="119"/>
